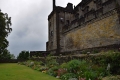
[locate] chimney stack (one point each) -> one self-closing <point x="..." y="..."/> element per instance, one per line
<point x="54" y="4"/>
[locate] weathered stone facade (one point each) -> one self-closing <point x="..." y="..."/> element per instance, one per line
<point x="90" y="24"/>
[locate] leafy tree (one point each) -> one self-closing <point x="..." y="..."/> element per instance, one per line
<point x="5" y="23"/>
<point x="12" y="56"/>
<point x="24" y="55"/>
<point x="5" y="55"/>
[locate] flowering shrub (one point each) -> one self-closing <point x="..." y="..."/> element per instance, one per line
<point x="44" y="71"/>
<point x="31" y="64"/>
<point x="43" y="68"/>
<point x="53" y="71"/>
<point x="68" y="76"/>
<point x="73" y="79"/>
<point x="61" y="72"/>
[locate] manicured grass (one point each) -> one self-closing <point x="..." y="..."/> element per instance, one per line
<point x="21" y="72"/>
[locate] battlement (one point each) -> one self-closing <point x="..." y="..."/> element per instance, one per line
<point x="90" y="14"/>
<point x="81" y="22"/>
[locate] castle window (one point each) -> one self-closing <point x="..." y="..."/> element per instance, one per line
<point x="51" y="33"/>
<point x="62" y="20"/>
<point x="68" y="22"/>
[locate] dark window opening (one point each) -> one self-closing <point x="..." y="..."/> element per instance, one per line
<point x="68" y="22"/>
<point x="62" y="20"/>
<point x="51" y="42"/>
<point x="51" y="33"/>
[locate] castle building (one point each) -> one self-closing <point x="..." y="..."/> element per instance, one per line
<point x="90" y="24"/>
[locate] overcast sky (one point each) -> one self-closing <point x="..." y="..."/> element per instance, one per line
<point x="29" y="23"/>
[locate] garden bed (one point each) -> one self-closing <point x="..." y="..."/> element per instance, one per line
<point x="87" y="67"/>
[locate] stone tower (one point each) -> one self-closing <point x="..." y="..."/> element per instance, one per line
<point x="56" y="20"/>
<point x="52" y="44"/>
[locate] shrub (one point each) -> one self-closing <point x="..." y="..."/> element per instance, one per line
<point x="61" y="71"/>
<point x="73" y="66"/>
<point x="90" y="75"/>
<point x="37" y="67"/>
<point x="99" y="70"/>
<point x="31" y="64"/>
<point x="68" y="76"/>
<point x="73" y="79"/>
<point x="55" y="68"/>
<point x="110" y="57"/>
<point x="43" y="68"/>
<point x="112" y="78"/>
<point x="50" y="61"/>
<point x="64" y="65"/>
<point x="52" y="72"/>
<point x="38" y="62"/>
<point x="113" y="58"/>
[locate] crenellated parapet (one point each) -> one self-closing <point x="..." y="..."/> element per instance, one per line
<point x="87" y="11"/>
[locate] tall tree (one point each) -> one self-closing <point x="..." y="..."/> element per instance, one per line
<point x="5" y="23"/>
<point x="24" y="55"/>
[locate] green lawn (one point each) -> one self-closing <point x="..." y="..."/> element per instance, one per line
<point x="21" y="72"/>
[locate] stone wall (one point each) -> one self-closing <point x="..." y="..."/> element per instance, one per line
<point x="108" y="6"/>
<point x="65" y="18"/>
<point x="102" y="31"/>
<point x="52" y="33"/>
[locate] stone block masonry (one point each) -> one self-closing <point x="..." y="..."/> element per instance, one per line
<point x="101" y="32"/>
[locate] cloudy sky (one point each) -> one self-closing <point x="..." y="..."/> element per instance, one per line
<point x="29" y="23"/>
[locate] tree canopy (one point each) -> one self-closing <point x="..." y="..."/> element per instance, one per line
<point x="23" y="55"/>
<point x="5" y="23"/>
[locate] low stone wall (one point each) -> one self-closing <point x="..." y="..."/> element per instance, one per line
<point x="93" y="50"/>
<point x="83" y="51"/>
<point x="8" y="60"/>
<point x="83" y="54"/>
<point x="39" y="53"/>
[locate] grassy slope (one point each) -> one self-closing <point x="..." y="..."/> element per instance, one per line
<point x="20" y="72"/>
